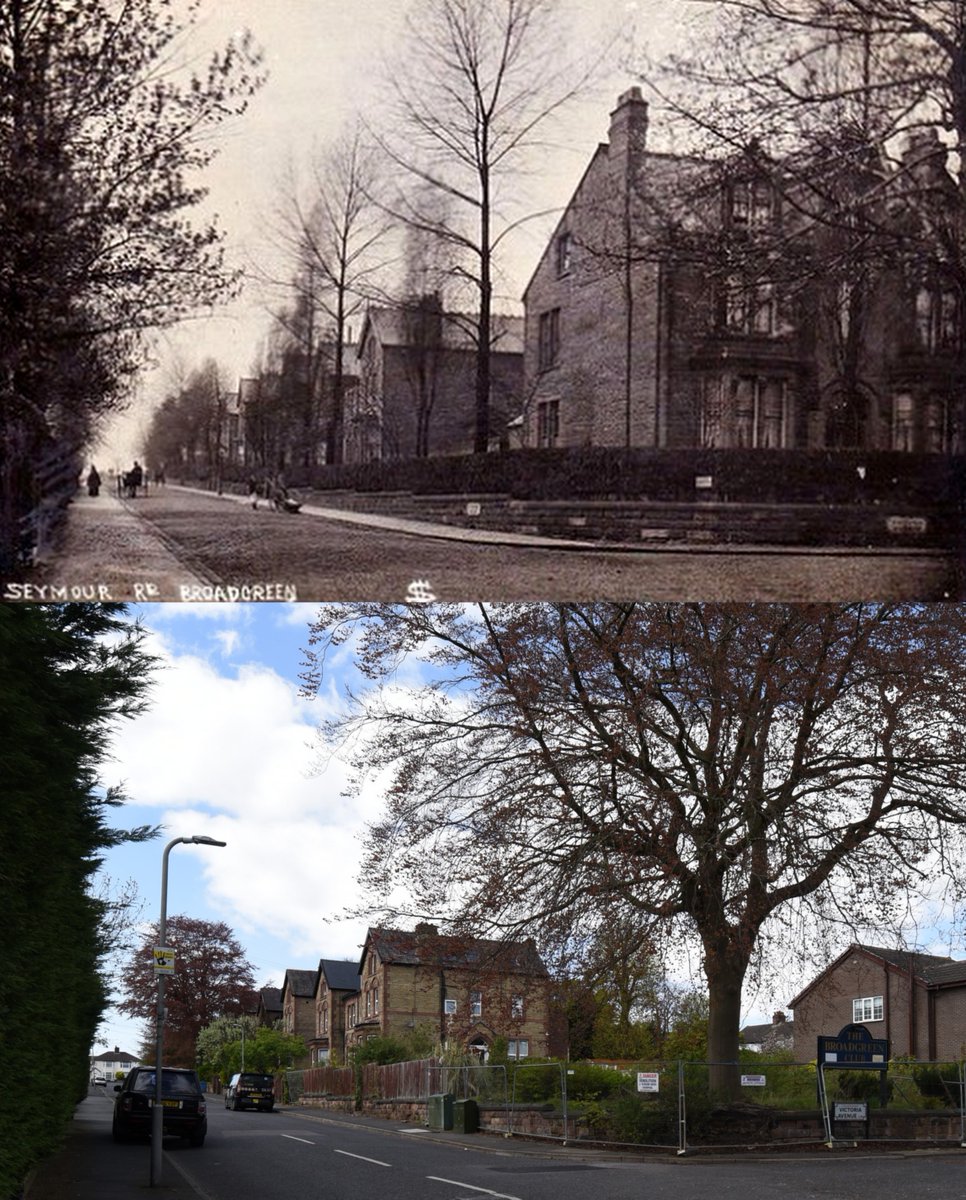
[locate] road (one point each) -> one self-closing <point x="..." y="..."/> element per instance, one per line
<point x="220" y="541"/>
<point x="254" y="1156"/>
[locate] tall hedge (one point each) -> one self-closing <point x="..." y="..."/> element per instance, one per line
<point x="67" y="674"/>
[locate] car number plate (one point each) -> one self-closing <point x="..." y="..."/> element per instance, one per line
<point x="171" y="1103"/>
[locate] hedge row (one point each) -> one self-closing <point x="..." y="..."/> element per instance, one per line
<point x="602" y="473"/>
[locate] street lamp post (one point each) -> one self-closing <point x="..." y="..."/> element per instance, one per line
<point x="157" y="1115"/>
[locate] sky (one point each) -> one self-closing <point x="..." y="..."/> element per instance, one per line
<point x="226" y="750"/>
<point x="323" y="60"/>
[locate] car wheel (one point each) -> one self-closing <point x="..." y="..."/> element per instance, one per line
<point x="117" y="1133"/>
<point x="234" y="1105"/>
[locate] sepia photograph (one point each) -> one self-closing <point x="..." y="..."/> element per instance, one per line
<point x="533" y="300"/>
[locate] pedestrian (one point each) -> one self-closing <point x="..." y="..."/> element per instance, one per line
<point x="253" y="491"/>
<point x="159" y="475"/>
<point x="93" y="481"/>
<point x="135" y="478"/>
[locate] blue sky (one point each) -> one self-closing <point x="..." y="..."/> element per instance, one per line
<point x="226" y="750"/>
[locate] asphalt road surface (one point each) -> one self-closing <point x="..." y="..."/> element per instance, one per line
<point x="220" y="542"/>
<point x="257" y="1156"/>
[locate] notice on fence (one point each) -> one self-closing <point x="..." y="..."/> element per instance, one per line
<point x="648" y="1081"/>
<point x="850" y="1112"/>
<point x="752" y="1081"/>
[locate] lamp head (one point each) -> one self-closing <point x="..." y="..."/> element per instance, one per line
<point x="201" y="840"/>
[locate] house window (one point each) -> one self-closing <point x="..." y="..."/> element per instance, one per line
<point x="548" y="422"/>
<point x="902" y="422"/>
<point x="476" y="1004"/>
<point x="516" y="1007"/>
<point x="750" y="307"/>
<point x="942" y="431"/>
<point x="548" y="350"/>
<point x="449" y="1007"/>
<point x="752" y="203"/>
<point x="712" y="413"/>
<point x="518" y="1048"/>
<point x="868" y="1008"/>
<point x="375" y="1001"/>
<point x="368" y="1004"/>
<point x="937" y="318"/>
<point x="564" y="249"/>
<point x="760" y="407"/>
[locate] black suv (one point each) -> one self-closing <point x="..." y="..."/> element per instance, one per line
<point x="183" y="1099"/>
<point x="250" y="1089"/>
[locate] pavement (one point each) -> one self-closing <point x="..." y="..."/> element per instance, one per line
<point x="104" y="536"/>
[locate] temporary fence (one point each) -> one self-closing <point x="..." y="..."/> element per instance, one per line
<point x="678" y="1106"/>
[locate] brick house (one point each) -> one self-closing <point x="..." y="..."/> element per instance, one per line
<point x="298" y="1005"/>
<point x="639" y="332"/>
<point x="335" y="981"/>
<point x="466" y="991"/>
<point x="917" y="1001"/>
<point x="269" y="1006"/>
<point x="417" y="374"/>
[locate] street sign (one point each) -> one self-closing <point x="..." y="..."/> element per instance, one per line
<point x="163" y="960"/>
<point x="854" y="1046"/>
<point x="648" y="1081"/>
<point x="850" y="1112"/>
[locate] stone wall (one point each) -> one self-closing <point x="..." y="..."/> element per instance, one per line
<point x="745" y="1126"/>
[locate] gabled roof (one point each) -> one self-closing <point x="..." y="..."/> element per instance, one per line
<point x="271" y="999"/>
<point x="425" y="946"/>
<point x="933" y="970"/>
<point x="114" y="1055"/>
<point x="391" y="327"/>
<point x="339" y="975"/>
<point x="299" y="983"/>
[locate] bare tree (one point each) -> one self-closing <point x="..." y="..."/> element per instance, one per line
<point x="333" y="235"/>
<point x="855" y="111"/>
<point x="719" y="770"/>
<point x="475" y="82"/>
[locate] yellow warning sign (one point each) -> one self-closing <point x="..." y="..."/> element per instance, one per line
<point x="163" y="960"/>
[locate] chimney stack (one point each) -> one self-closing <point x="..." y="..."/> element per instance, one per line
<point x="628" y="127"/>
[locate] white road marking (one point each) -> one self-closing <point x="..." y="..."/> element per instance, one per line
<point x="348" y="1154"/>
<point x="473" y="1188"/>
<point x="292" y="1138"/>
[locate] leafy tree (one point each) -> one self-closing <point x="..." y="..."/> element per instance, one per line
<point x="67" y="675"/>
<point x="212" y="979"/>
<point x="219" y="1047"/>
<point x="724" y="770"/>
<point x="102" y="128"/>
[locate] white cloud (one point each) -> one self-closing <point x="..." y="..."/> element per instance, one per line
<point x="228" y="640"/>
<point x="229" y="755"/>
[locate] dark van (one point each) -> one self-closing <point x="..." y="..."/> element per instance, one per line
<point x="248" y="1089"/>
